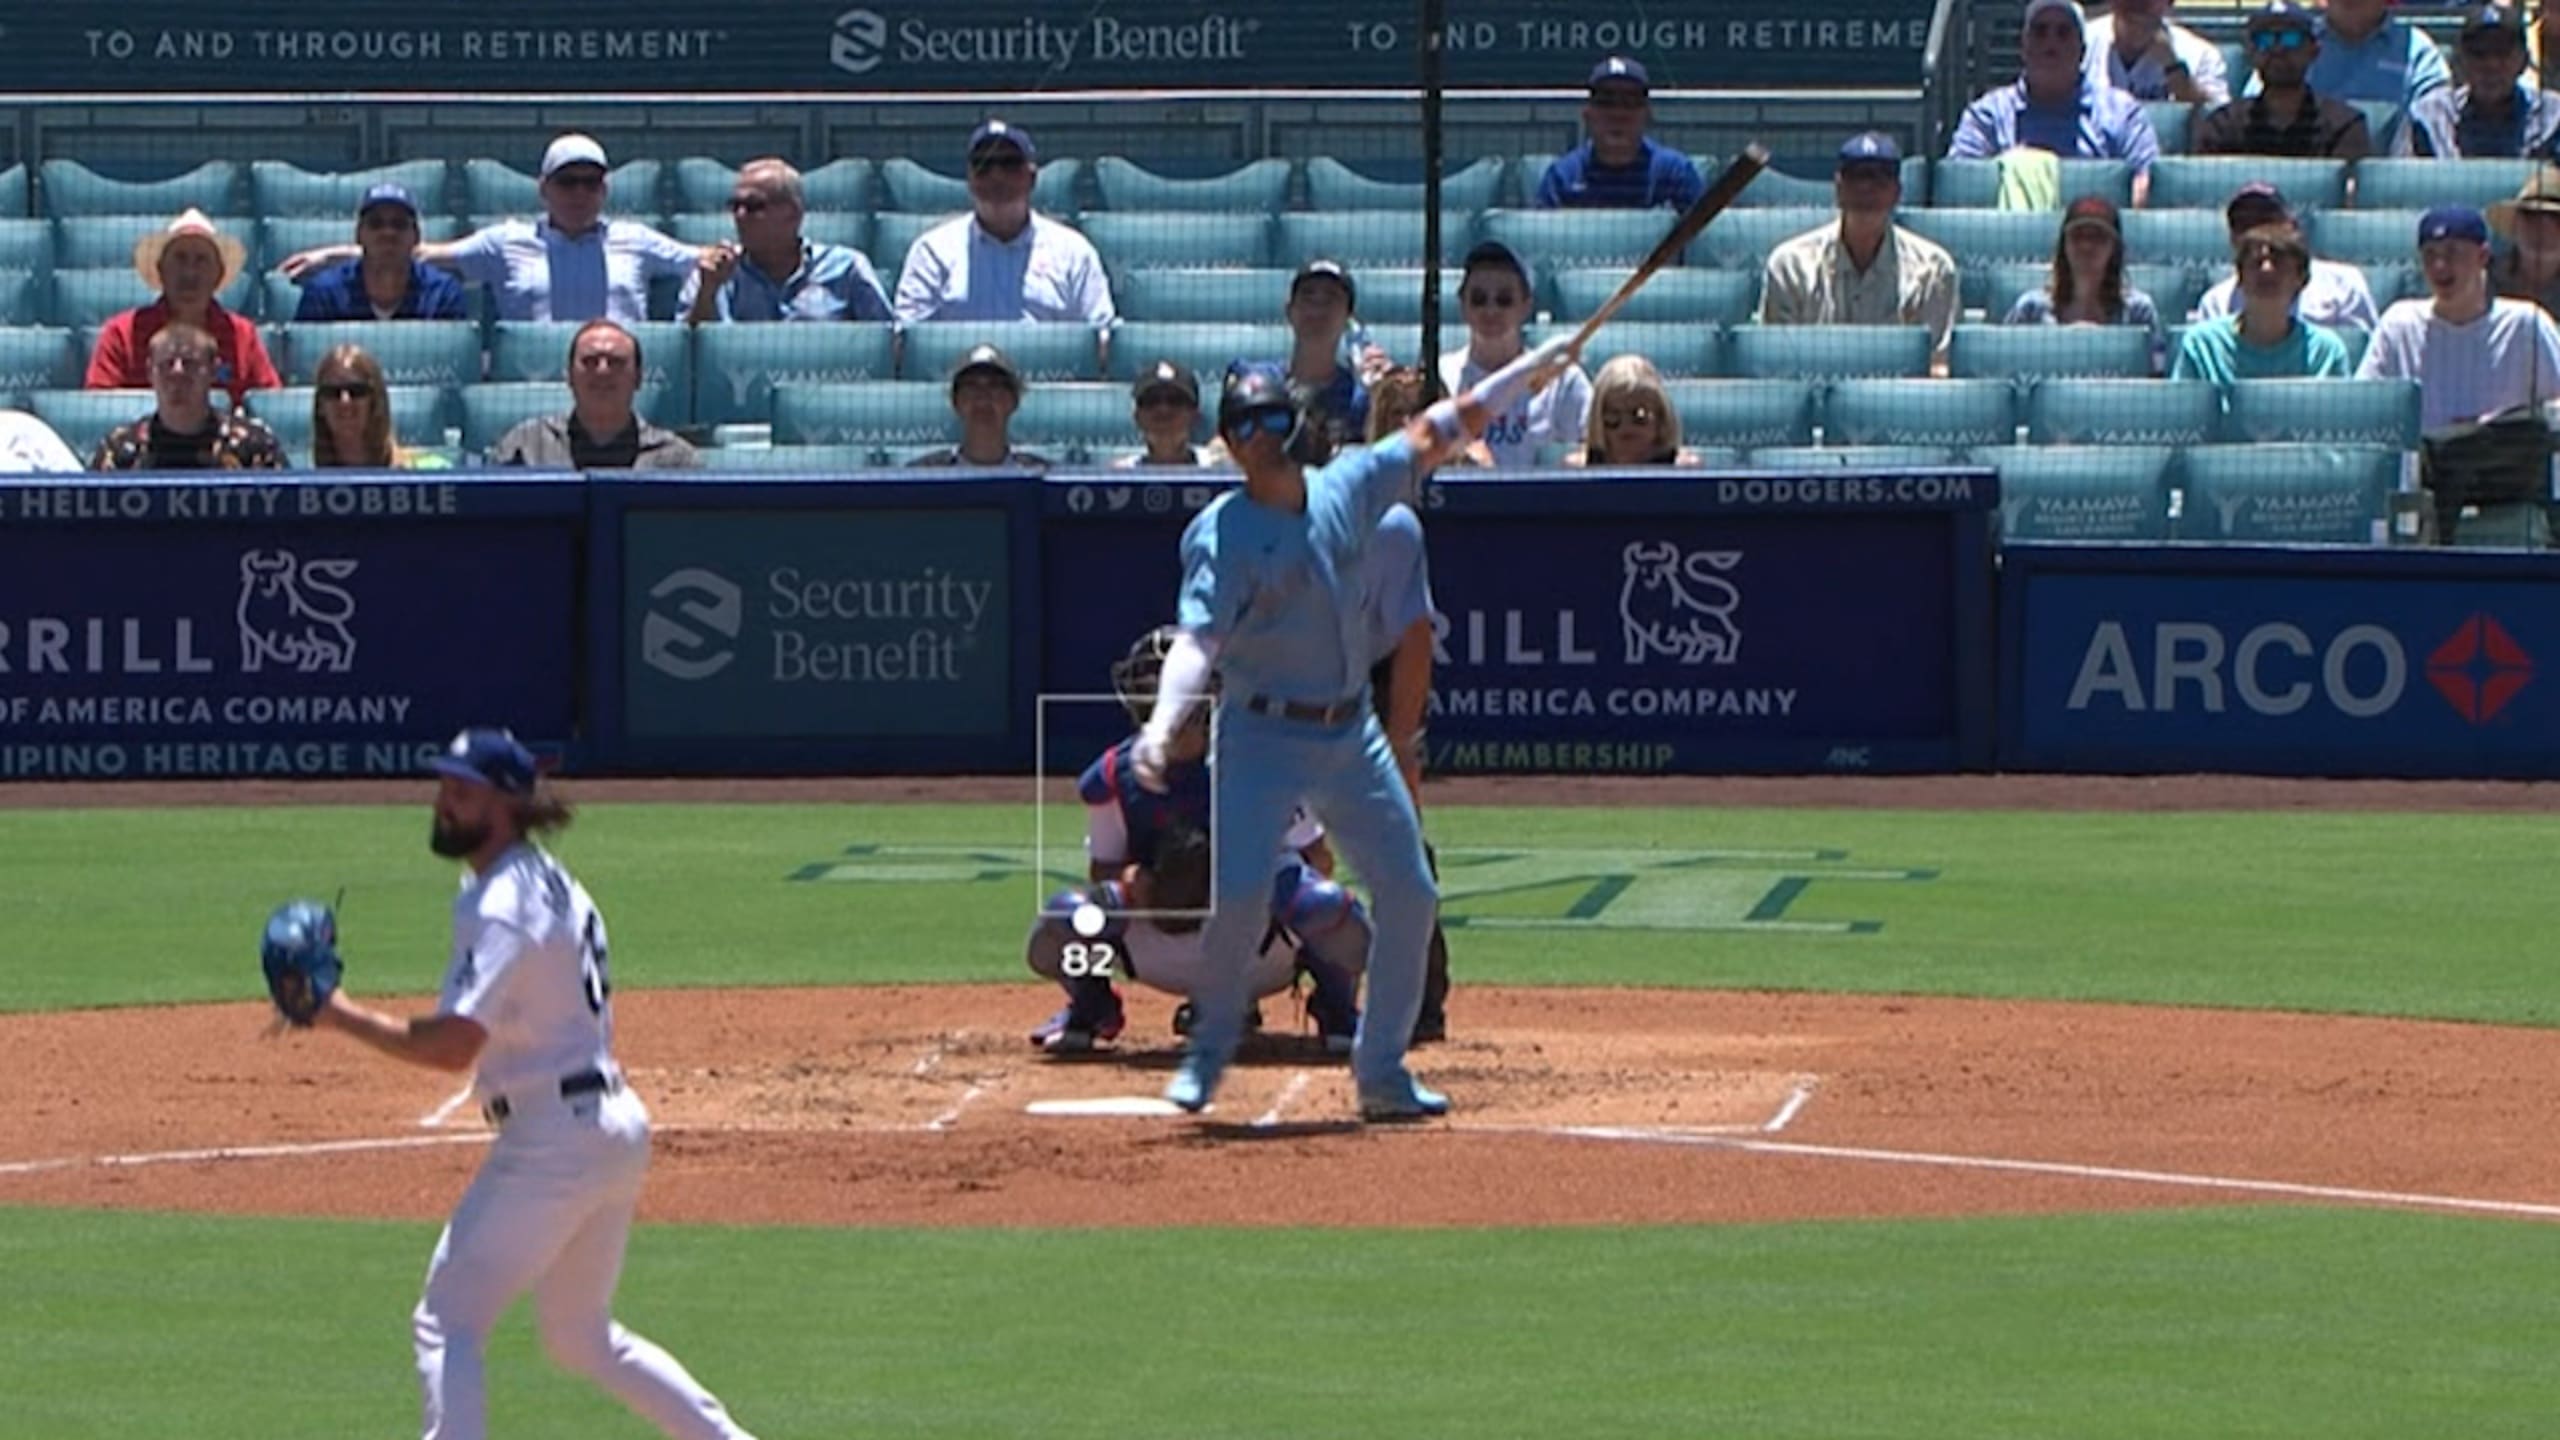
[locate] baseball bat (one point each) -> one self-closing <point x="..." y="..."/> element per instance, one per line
<point x="1738" y="173"/>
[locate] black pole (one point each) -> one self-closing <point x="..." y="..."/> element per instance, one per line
<point x="1434" y="25"/>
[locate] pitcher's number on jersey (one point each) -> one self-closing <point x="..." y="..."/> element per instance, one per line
<point x="1098" y="959"/>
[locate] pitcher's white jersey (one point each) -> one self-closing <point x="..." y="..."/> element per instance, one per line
<point x="529" y="964"/>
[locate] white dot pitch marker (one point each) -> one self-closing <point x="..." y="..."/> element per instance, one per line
<point x="1088" y="919"/>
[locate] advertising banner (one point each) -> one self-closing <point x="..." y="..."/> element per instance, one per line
<point x="281" y="628"/>
<point x="690" y="47"/>
<point x="2297" y="662"/>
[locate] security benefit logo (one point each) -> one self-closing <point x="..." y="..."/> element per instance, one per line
<point x="690" y="638"/>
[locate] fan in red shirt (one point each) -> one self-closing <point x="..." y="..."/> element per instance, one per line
<point x="187" y="263"/>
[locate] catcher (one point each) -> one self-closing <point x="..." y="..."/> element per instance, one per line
<point x="1140" y="917"/>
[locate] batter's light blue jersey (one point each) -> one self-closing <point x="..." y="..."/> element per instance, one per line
<point x="1281" y="593"/>
<point x="1395" y="580"/>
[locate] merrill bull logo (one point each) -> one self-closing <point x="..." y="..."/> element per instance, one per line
<point x="671" y="646"/>
<point x="1680" y="606"/>
<point x="294" y="613"/>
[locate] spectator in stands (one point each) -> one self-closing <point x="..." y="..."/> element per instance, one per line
<point x="1494" y="294"/>
<point x="2088" y="286"/>
<point x="2530" y="269"/>
<point x="351" y="417"/>
<point x="1632" y="419"/>
<point x="2367" y="53"/>
<point x="188" y="264"/>
<point x="2474" y="354"/>
<point x="2139" y="50"/>
<point x="2265" y="339"/>
<point x="28" y="446"/>
<point x="2336" y="295"/>
<point x="1395" y="397"/>
<point x="386" y="280"/>
<point x="1619" y="167"/>
<point x="2281" y="115"/>
<point x="774" y="272"/>
<point x="1321" y="309"/>
<point x="575" y="263"/>
<point x="2493" y="113"/>
<point x="2056" y="107"/>
<point x="185" y="432"/>
<point x="1166" y="406"/>
<point x="1865" y="270"/>
<point x="602" y="429"/>
<point x="1003" y="261"/>
<point x="985" y="391"/>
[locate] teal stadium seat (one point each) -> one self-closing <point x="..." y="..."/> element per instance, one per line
<point x="97" y="242"/>
<point x="2288" y="494"/>
<point x="2123" y="412"/>
<point x="910" y="186"/>
<point x="2503" y="527"/>
<point x="37" y="357"/>
<point x="83" y="417"/>
<point x="851" y="228"/>
<point x="1775" y="188"/>
<point x="1522" y="179"/>
<point x="2368" y="236"/>
<point x="490" y="410"/>
<point x="439" y="354"/>
<point x="894" y="233"/>
<point x="92" y="297"/>
<point x="1332" y="185"/>
<point x="1828" y="352"/>
<point x="539" y="350"/>
<point x="493" y="187"/>
<point x="1369" y="239"/>
<point x="1150" y="239"/>
<point x="2357" y="339"/>
<point x="887" y="412"/>
<point x="1975" y="184"/>
<point x="1684" y="295"/>
<point x="2391" y="280"/>
<point x="899" y="457"/>
<point x="278" y="189"/>
<point x="290" y="234"/>
<point x="792" y="459"/>
<point x="1403" y="343"/>
<point x="1042" y="351"/>
<point x="1717" y="457"/>
<point x="26" y="246"/>
<point x="26" y="298"/>
<point x="2199" y="240"/>
<point x="1948" y="413"/>
<point x="1060" y="421"/>
<point x="1746" y="414"/>
<point x="2414" y="185"/>
<point x="2207" y="182"/>
<point x="71" y="188"/>
<point x="2173" y="288"/>
<point x="418" y="416"/>
<point x="1982" y="239"/>
<point x="14" y="192"/>
<point x="737" y="367"/>
<point x="1742" y="239"/>
<point x="1180" y="296"/>
<point x="1392" y="295"/>
<point x="2083" y="492"/>
<point x="847" y="184"/>
<point x="1206" y="349"/>
<point x="1849" y="457"/>
<point x="2329" y="412"/>
<point x="2173" y="122"/>
<point x="1693" y="351"/>
<point x="1259" y="187"/>
<point x="2023" y="353"/>
<point x="1553" y="240"/>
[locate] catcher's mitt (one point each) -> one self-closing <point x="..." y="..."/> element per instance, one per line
<point x="1178" y="881"/>
<point x="300" y="953"/>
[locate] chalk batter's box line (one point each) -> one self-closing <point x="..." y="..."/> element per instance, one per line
<point x="1040" y="809"/>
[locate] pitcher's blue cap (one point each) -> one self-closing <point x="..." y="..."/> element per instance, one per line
<point x="2453" y="222"/>
<point x="997" y="132"/>
<point x="388" y="194"/>
<point x="491" y="757"/>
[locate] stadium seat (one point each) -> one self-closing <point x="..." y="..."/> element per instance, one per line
<point x="2200" y="240"/>
<point x="2123" y="412"/>
<point x="1687" y="294"/>
<point x="894" y="233"/>
<point x="1744" y="413"/>
<point x="2173" y="288"/>
<point x="490" y="410"/>
<point x="97" y="242"/>
<point x="1718" y="457"/>
<point x="2082" y="492"/>
<point x="2368" y="236"/>
<point x="91" y="297"/>
<point x="2391" y="280"/>
<point x="83" y="417"/>
<point x="736" y="367"/>
<point x="14" y="192"/>
<point x="1848" y="457"/>
<point x="1259" y="187"/>
<point x="539" y="350"/>
<point x="26" y="246"/>
<point x="2328" y="412"/>
<point x="1181" y="296"/>
<point x="1403" y="343"/>
<point x="1392" y="295"/>
<point x="2207" y="182"/>
<point x="1694" y="351"/>
<point x="1828" y="352"/>
<point x="278" y="189"/>
<point x="2023" y="353"/>
<point x="291" y="234"/>
<point x="2414" y="185"/>
<point x="26" y="298"/>
<point x="1040" y="350"/>
<point x="1742" y="239"/>
<point x="847" y="184"/>
<point x="1146" y="239"/>
<point x="1061" y="420"/>
<point x="1332" y="185"/>
<point x="1814" y="188"/>
<point x="36" y="358"/>
<point x="1365" y="239"/>
<point x="1947" y="413"/>
<point x="2293" y="494"/>
<point x="1975" y="185"/>
<point x="910" y="186"/>
<point x="827" y="227"/>
<point x="2502" y="527"/>
<point x="418" y="416"/>
<point x="1205" y="348"/>
<point x="2173" y="121"/>
<point x="1980" y="239"/>
<point x="793" y="459"/>
<point x="1553" y="240"/>
<point x="2356" y="338"/>
<point x="435" y="353"/>
<point x="493" y="187"/>
<point x="1523" y="178"/>
<point x="71" y="188"/>
<point x="887" y="412"/>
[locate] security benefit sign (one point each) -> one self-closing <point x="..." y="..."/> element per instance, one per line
<point x="2351" y="664"/>
<point x="816" y="624"/>
<point x="276" y="649"/>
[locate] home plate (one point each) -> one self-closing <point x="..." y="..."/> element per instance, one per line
<point x="1105" y="1105"/>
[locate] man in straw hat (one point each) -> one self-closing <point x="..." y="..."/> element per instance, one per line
<point x="2530" y="269"/>
<point x="188" y="264"/>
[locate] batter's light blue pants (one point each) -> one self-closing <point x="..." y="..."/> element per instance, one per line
<point x="1261" y="767"/>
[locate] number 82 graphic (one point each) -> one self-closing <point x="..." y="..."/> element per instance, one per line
<point x="1096" y="959"/>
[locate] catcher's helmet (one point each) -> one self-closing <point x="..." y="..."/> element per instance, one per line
<point x="1134" y="676"/>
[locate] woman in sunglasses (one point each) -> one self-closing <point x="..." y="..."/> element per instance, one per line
<point x="2087" y="287"/>
<point x="351" y="417"/>
<point x="1632" y="419"/>
<point x="1496" y="296"/>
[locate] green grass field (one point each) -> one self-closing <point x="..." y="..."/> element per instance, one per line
<point x="2257" y="1322"/>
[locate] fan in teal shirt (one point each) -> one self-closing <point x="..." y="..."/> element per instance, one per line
<point x="2264" y="339"/>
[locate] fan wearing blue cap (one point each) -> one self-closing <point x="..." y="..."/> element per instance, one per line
<point x="1619" y="167"/>
<point x="1864" y="269"/>
<point x="2493" y="113"/>
<point x="2055" y="107"/>
<point x="2472" y="352"/>
<point x="386" y="280"/>
<point x="526" y="1010"/>
<point x="1004" y="260"/>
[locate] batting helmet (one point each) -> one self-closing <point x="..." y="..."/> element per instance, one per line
<point x="1135" y="676"/>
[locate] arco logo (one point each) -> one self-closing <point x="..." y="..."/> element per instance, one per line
<point x="2479" y="668"/>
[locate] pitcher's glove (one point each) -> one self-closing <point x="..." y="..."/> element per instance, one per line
<point x="1178" y="881"/>
<point x="300" y="953"/>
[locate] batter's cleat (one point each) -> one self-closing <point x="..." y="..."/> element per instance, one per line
<point x="1091" y="1021"/>
<point x="1401" y="1099"/>
<point x="1194" y="1082"/>
<point x="1184" y="1016"/>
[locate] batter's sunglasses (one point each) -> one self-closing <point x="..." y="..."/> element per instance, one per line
<point x="1268" y="422"/>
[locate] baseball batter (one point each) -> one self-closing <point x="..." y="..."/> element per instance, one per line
<point x="1271" y="598"/>
<point x="527" y="1007"/>
<point x="1149" y="855"/>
